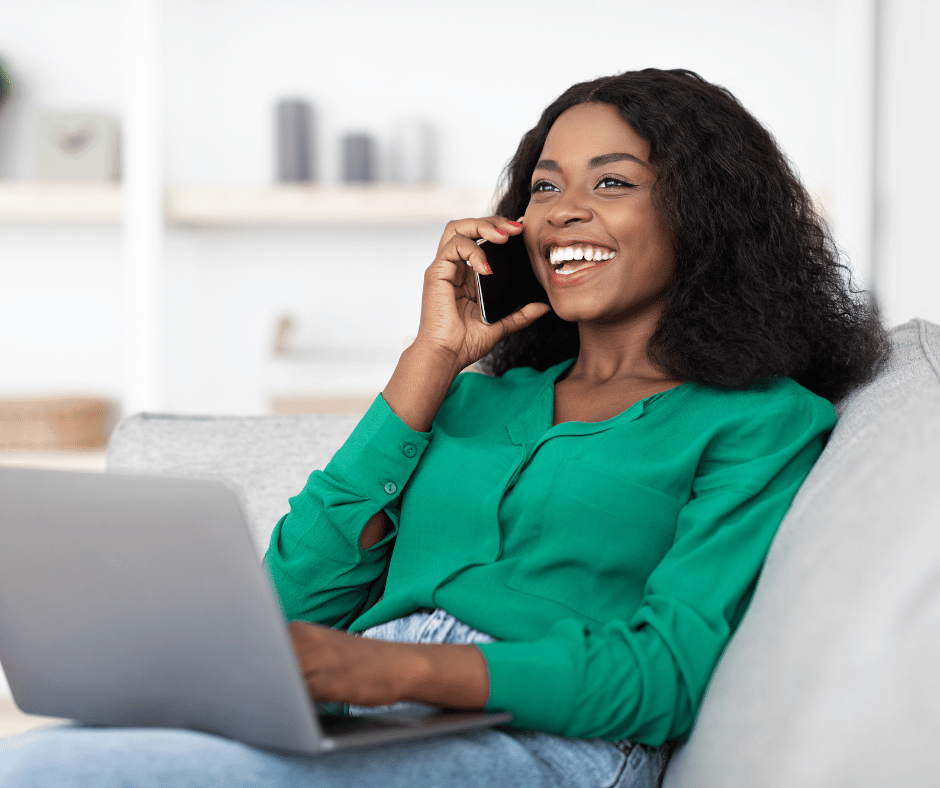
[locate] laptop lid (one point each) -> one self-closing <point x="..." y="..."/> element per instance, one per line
<point x="136" y="600"/>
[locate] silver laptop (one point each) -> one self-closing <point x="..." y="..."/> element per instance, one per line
<point x="139" y="601"/>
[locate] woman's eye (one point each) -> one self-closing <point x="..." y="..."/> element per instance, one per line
<point x="542" y="186"/>
<point x="608" y="182"/>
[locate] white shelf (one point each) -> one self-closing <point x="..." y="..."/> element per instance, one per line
<point x="60" y="203"/>
<point x="276" y="206"/>
<point x="311" y="205"/>
<point x="93" y="460"/>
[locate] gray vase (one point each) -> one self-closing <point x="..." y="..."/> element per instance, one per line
<point x="295" y="152"/>
<point x="358" y="158"/>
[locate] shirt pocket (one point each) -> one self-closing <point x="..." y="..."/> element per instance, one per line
<point x="600" y="538"/>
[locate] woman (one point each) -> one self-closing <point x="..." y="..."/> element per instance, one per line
<point x="574" y="537"/>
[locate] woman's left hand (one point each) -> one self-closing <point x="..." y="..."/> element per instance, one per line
<point x="341" y="668"/>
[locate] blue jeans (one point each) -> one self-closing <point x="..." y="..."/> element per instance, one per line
<point x="71" y="756"/>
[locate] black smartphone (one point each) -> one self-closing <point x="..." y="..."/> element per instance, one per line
<point x="512" y="284"/>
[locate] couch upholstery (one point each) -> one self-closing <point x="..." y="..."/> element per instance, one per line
<point x="267" y="459"/>
<point x="832" y="678"/>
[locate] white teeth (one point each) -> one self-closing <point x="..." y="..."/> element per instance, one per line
<point x="559" y="255"/>
<point x="571" y="269"/>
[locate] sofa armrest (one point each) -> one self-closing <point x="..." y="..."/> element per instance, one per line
<point x="831" y="678"/>
<point x="266" y="459"/>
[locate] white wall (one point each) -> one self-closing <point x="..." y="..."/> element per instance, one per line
<point x="59" y="322"/>
<point x="907" y="275"/>
<point x="481" y="78"/>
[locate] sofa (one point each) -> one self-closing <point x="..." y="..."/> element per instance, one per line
<point x="832" y="678"/>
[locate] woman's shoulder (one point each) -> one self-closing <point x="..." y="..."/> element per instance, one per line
<point x="781" y="398"/>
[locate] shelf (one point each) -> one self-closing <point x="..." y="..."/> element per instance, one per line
<point x="276" y="206"/>
<point x="60" y="203"/>
<point x="311" y="205"/>
<point x="93" y="460"/>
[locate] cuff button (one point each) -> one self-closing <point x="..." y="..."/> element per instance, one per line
<point x="409" y="450"/>
<point x="391" y="488"/>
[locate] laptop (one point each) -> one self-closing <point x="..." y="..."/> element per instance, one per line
<point x="133" y="600"/>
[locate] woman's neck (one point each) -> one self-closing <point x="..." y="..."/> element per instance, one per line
<point x="611" y="354"/>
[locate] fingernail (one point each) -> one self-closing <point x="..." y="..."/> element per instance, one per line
<point x="501" y="232"/>
<point x="488" y="269"/>
<point x="517" y="224"/>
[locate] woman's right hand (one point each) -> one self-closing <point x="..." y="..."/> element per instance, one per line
<point x="451" y="323"/>
<point x="451" y="334"/>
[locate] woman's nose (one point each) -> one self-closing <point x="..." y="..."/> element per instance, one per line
<point x="571" y="206"/>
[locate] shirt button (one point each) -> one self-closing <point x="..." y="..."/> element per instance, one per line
<point x="409" y="450"/>
<point x="391" y="488"/>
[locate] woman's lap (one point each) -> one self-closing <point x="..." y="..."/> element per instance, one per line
<point x="73" y="756"/>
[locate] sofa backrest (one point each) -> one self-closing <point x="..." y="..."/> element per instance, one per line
<point x="833" y="677"/>
<point x="266" y="459"/>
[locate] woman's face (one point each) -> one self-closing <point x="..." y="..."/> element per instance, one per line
<point x="592" y="199"/>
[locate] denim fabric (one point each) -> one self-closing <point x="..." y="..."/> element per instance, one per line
<point x="77" y="757"/>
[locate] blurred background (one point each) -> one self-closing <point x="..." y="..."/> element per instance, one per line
<point x="226" y="206"/>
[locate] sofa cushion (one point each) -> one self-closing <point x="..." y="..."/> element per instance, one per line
<point x="266" y="459"/>
<point x="832" y="678"/>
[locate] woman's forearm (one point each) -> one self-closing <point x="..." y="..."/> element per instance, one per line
<point x="419" y="384"/>
<point x="342" y="668"/>
<point x="450" y="676"/>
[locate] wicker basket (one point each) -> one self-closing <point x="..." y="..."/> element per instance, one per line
<point x="57" y="423"/>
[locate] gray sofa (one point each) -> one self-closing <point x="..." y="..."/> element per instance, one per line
<point x="833" y="678"/>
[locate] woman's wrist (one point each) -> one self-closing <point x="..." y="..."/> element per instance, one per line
<point x="419" y="384"/>
<point x="449" y="676"/>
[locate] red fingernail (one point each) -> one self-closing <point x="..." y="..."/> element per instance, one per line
<point x="501" y="232"/>
<point x="488" y="269"/>
<point x="515" y="224"/>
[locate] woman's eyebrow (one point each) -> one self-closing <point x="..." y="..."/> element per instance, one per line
<point x="597" y="161"/>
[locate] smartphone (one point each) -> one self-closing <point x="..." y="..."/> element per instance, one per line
<point x="512" y="284"/>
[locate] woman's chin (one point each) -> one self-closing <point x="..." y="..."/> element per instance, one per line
<point x="574" y="313"/>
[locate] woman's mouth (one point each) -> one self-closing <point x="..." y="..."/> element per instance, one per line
<point x="568" y="260"/>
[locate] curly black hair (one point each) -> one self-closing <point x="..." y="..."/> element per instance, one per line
<point x="760" y="290"/>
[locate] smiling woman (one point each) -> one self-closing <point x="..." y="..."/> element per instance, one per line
<point x="759" y="290"/>
<point x="586" y="199"/>
<point x="575" y="537"/>
<point x="592" y="203"/>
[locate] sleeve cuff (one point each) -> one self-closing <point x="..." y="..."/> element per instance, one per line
<point x="533" y="681"/>
<point x="380" y="455"/>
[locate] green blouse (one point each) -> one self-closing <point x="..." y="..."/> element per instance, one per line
<point x="611" y="560"/>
